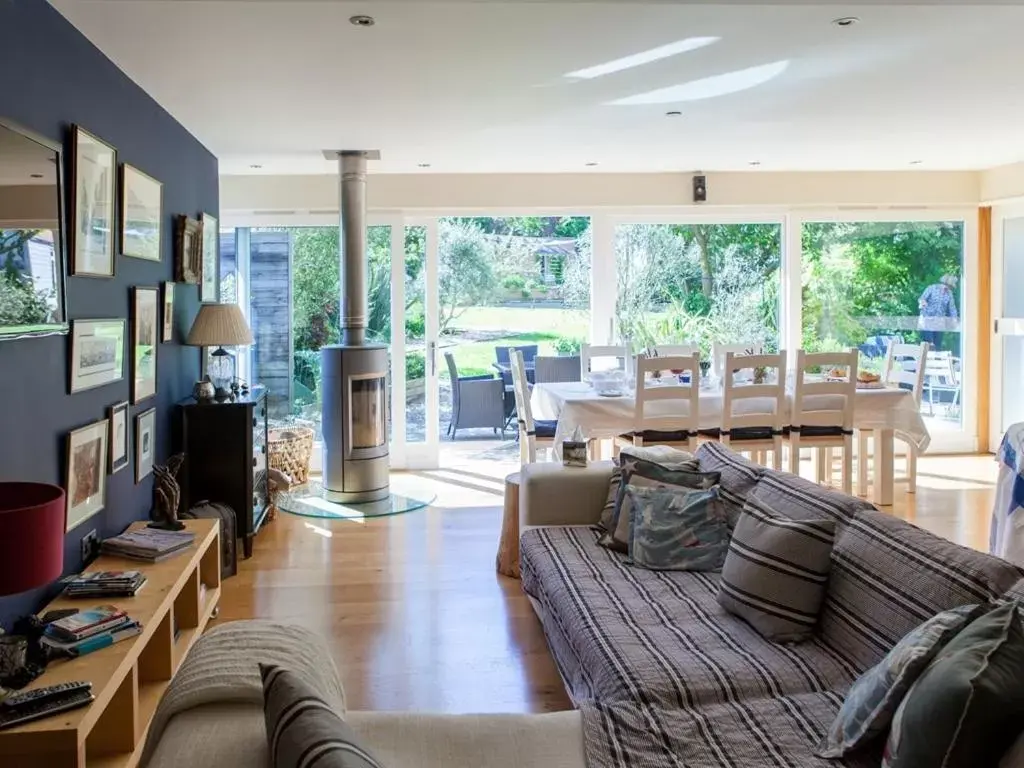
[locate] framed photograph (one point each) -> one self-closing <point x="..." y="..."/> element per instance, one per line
<point x="145" y="330"/>
<point x="87" y="472"/>
<point x="93" y="193"/>
<point x="141" y="211"/>
<point x="97" y="353"/>
<point x="32" y="253"/>
<point x="167" y="333"/>
<point x="211" y="247"/>
<point x="188" y="250"/>
<point x="145" y="443"/>
<point x="117" y="415"/>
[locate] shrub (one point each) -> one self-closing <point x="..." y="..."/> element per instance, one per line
<point x="415" y="366"/>
<point x="306" y="368"/>
<point x="415" y="324"/>
<point x="568" y="345"/>
<point x="513" y="283"/>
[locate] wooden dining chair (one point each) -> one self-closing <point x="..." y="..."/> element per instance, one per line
<point x="753" y="415"/>
<point x="676" y="350"/>
<point x="822" y="413"/>
<point x="590" y="351"/>
<point x="719" y="351"/>
<point x="532" y="434"/>
<point x="658" y="382"/>
<point x="905" y="368"/>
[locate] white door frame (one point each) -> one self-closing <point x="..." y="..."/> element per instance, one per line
<point x="1000" y="213"/>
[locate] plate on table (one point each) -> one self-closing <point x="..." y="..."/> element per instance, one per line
<point x="606" y="393"/>
<point x="870" y="385"/>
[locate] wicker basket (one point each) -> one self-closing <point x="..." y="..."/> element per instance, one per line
<point x="290" y="448"/>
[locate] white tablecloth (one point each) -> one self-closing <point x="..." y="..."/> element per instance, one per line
<point x="576" y="404"/>
<point x="1007" y="534"/>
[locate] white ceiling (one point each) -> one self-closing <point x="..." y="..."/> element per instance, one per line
<point x="481" y="86"/>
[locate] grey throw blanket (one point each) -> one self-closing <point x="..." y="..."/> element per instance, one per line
<point x="223" y="667"/>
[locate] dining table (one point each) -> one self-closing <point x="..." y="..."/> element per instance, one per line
<point x="882" y="411"/>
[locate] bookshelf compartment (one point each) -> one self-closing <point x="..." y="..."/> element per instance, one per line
<point x="209" y="568"/>
<point x="116" y="731"/>
<point x="186" y="605"/>
<point x="156" y="661"/>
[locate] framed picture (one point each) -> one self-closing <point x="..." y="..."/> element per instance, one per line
<point x="145" y="443"/>
<point x="117" y="415"/>
<point x="97" y="353"/>
<point x="93" y="192"/>
<point x="87" y="472"/>
<point x="141" y="211"/>
<point x="145" y="327"/>
<point x="211" y="247"/>
<point x="188" y="250"/>
<point x="167" y="334"/>
<point x="32" y="252"/>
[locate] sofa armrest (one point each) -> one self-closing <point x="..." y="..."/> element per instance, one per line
<point x="551" y="494"/>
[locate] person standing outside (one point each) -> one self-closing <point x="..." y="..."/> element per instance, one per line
<point x="938" y="311"/>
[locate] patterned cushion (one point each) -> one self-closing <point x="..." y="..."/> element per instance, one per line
<point x="640" y="472"/>
<point x="873" y="699"/>
<point x="660" y="454"/>
<point x="677" y="530"/>
<point x="967" y="708"/>
<point x="739" y="476"/>
<point x="889" y="576"/>
<point x="303" y="730"/>
<point x="776" y="572"/>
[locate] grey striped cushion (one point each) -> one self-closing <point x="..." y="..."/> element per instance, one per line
<point x="739" y="476"/>
<point x="303" y="730"/>
<point x="776" y="572"/>
<point x="671" y="458"/>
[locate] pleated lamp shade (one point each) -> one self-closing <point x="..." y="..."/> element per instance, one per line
<point x="32" y="517"/>
<point x="219" y="325"/>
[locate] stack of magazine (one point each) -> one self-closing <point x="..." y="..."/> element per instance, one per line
<point x="148" y="544"/>
<point x="90" y="630"/>
<point x="104" y="584"/>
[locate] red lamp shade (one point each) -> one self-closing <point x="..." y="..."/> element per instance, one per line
<point x="32" y="517"/>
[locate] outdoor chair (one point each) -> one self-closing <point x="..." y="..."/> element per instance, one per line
<point x="554" y="369"/>
<point x="504" y="366"/>
<point x="478" y="402"/>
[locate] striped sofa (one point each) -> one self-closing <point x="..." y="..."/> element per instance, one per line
<point x="664" y="677"/>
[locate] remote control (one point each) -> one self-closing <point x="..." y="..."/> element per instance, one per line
<point x="61" y="690"/>
<point x="11" y="716"/>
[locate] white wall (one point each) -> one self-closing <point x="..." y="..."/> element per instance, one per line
<point x="1003" y="183"/>
<point x="555" y="193"/>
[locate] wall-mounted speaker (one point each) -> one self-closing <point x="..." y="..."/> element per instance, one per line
<point x="700" y="189"/>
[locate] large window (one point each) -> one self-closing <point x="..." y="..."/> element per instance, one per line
<point x="698" y="283"/>
<point x="866" y="284"/>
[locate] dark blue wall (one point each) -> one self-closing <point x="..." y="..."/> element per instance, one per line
<point x="50" y="77"/>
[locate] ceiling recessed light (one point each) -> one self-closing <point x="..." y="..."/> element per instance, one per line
<point x="846" y="21"/>
<point x="916" y="162"/>
<point x="255" y="167"/>
<point x="590" y="165"/>
<point x="36" y="175"/>
<point x="422" y="165"/>
<point x="674" y="113"/>
<point x="362" y="21"/>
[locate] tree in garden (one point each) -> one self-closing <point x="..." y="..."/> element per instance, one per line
<point x="466" y="276"/>
<point x="20" y="302"/>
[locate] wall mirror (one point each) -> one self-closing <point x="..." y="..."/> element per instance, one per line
<point x="32" y="255"/>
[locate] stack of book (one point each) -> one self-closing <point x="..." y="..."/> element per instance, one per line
<point x="104" y="584"/>
<point x="90" y="630"/>
<point x="148" y="544"/>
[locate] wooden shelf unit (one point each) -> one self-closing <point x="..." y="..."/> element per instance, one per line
<point x="128" y="678"/>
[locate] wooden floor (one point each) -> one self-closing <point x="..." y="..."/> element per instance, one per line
<point x="417" y="618"/>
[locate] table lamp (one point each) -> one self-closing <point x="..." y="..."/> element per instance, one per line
<point x="32" y="517"/>
<point x="220" y="325"/>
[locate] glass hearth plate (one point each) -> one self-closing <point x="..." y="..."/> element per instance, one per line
<point x="310" y="500"/>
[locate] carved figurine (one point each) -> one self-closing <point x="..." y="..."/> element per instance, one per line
<point x="167" y="495"/>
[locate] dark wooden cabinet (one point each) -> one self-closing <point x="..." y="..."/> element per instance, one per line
<point x="225" y="446"/>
